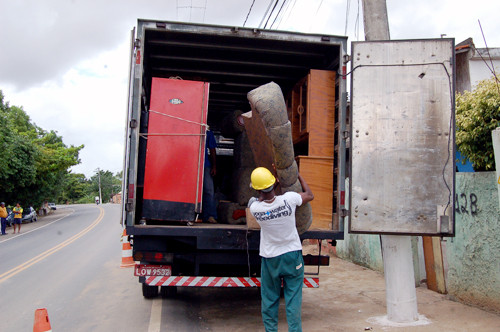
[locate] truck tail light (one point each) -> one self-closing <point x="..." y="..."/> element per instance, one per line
<point x="153" y="257"/>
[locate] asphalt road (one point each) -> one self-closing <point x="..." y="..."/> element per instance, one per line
<point x="68" y="263"/>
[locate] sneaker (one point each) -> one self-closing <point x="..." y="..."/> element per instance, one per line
<point x="211" y="220"/>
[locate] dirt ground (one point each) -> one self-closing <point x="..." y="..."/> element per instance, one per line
<point x="352" y="298"/>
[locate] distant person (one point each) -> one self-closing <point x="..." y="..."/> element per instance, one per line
<point x="18" y="217"/>
<point x="3" y="217"/>
<point x="209" y="208"/>
<point x="280" y="248"/>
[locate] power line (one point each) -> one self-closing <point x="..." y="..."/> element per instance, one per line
<point x="279" y="11"/>
<point x="271" y="14"/>
<point x="290" y="11"/>
<point x="347" y="9"/>
<point x="265" y="14"/>
<point x="357" y="23"/>
<point x="188" y="5"/>
<point x="204" y="11"/>
<point x="317" y="10"/>
<point x="284" y="13"/>
<point x="249" y="13"/>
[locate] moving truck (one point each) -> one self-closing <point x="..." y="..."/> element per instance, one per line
<point x="185" y="78"/>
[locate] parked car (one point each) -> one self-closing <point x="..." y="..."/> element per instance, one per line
<point x="29" y="214"/>
<point x="52" y="206"/>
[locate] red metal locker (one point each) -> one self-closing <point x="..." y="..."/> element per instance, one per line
<point x="173" y="179"/>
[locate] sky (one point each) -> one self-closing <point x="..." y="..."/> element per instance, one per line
<point x="66" y="61"/>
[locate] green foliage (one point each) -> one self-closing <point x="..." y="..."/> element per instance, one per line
<point x="477" y="115"/>
<point x="110" y="184"/>
<point x="74" y="187"/>
<point x="33" y="162"/>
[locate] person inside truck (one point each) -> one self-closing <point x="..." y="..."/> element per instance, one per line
<point x="280" y="248"/>
<point x="209" y="212"/>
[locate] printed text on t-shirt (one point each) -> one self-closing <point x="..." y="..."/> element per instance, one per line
<point x="284" y="210"/>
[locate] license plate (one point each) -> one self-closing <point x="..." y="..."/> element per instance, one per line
<point x="142" y="270"/>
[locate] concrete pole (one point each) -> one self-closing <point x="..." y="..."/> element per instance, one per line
<point x="401" y="295"/>
<point x="495" y="135"/>
<point x="375" y="20"/>
<point x="100" y="195"/>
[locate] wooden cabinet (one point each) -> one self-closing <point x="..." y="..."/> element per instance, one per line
<point x="318" y="172"/>
<point x="311" y="110"/>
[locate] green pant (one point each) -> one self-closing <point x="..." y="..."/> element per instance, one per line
<point x="288" y="267"/>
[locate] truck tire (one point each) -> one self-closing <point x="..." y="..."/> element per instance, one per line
<point x="149" y="292"/>
<point x="168" y="291"/>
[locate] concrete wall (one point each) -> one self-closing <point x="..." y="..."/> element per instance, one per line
<point x="479" y="71"/>
<point x="361" y="249"/>
<point x="472" y="258"/>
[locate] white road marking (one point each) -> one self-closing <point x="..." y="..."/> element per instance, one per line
<point x="155" y="319"/>
<point x="34" y="229"/>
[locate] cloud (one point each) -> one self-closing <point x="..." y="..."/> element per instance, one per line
<point x="66" y="61"/>
<point x="47" y="38"/>
<point x="455" y="18"/>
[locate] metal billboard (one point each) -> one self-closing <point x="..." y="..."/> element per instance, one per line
<point x="402" y="176"/>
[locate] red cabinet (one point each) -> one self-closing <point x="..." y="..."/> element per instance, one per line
<point x="173" y="177"/>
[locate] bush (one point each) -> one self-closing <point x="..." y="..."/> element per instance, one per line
<point x="477" y="115"/>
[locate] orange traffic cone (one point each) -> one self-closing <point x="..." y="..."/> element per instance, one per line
<point x="127" y="260"/>
<point x="42" y="323"/>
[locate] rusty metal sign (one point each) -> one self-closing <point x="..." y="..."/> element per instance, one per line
<point x="402" y="175"/>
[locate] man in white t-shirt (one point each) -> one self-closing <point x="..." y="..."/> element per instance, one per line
<point x="280" y="248"/>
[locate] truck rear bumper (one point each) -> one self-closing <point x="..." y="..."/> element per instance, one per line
<point x="187" y="281"/>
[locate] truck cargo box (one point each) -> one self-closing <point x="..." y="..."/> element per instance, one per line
<point x="161" y="186"/>
<point x="233" y="61"/>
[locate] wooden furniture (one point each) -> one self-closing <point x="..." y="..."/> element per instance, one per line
<point x="311" y="109"/>
<point x="318" y="172"/>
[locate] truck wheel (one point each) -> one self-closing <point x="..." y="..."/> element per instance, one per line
<point x="168" y="291"/>
<point x="149" y="292"/>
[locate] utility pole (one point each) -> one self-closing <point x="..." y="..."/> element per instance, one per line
<point x="100" y="195"/>
<point x="401" y="296"/>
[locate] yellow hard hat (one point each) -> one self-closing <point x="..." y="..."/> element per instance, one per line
<point x="261" y="178"/>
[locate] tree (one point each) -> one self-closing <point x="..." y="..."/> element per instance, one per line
<point x="110" y="184"/>
<point x="33" y="162"/>
<point x="477" y="115"/>
<point x="74" y="188"/>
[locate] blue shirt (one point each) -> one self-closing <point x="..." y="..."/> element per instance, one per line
<point x="211" y="143"/>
